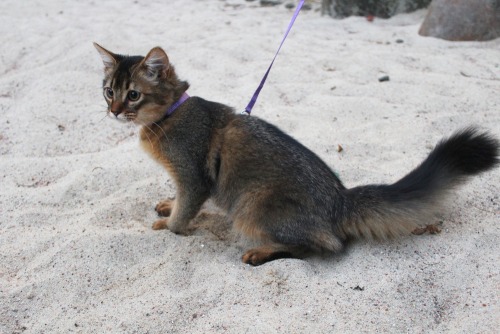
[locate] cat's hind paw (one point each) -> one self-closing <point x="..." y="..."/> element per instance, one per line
<point x="261" y="255"/>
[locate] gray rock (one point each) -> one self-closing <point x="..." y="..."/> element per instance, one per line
<point x="379" y="8"/>
<point x="383" y="78"/>
<point x="462" y="20"/>
<point x="270" y="2"/>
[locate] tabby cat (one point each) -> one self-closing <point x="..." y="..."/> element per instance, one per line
<point x="271" y="186"/>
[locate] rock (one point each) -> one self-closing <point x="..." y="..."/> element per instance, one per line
<point x="383" y="78"/>
<point x="292" y="5"/>
<point x="378" y="8"/>
<point x="270" y="2"/>
<point x="462" y="20"/>
<point x="306" y="6"/>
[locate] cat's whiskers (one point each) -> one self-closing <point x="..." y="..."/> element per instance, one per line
<point x="161" y="129"/>
<point x="149" y="139"/>
<point x="100" y="113"/>
<point x="151" y="130"/>
<point x="132" y="127"/>
<point x="154" y="132"/>
<point x="102" y="119"/>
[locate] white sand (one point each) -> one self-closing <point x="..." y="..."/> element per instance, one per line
<point x="77" y="193"/>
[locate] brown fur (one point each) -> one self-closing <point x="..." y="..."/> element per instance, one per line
<point x="272" y="188"/>
<point x="160" y="224"/>
<point x="269" y="252"/>
<point x="164" y="208"/>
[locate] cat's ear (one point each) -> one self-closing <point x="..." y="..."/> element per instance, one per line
<point x="156" y="63"/>
<point x="108" y="58"/>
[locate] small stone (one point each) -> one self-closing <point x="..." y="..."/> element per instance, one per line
<point x="399" y="41"/>
<point x="270" y="2"/>
<point x="383" y="78"/>
<point x="306" y="6"/>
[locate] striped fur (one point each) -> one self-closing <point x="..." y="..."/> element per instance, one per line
<point x="273" y="188"/>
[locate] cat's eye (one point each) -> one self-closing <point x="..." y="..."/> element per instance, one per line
<point x="108" y="92"/>
<point x="133" y="95"/>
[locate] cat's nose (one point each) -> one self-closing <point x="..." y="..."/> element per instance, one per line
<point x="116" y="108"/>
<point x="116" y="112"/>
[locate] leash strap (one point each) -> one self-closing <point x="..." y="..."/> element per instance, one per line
<point x="250" y="105"/>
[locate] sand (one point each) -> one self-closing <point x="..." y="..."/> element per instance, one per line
<point x="77" y="253"/>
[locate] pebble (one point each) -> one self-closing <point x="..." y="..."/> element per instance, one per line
<point x="305" y="6"/>
<point x="270" y="2"/>
<point x="383" y="78"/>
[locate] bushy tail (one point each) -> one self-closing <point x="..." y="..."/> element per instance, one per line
<point x="384" y="211"/>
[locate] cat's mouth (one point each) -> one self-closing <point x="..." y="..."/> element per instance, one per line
<point x="124" y="117"/>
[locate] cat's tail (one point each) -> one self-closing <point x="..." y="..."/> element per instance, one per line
<point x="385" y="211"/>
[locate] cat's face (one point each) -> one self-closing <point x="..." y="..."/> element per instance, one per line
<point x="139" y="89"/>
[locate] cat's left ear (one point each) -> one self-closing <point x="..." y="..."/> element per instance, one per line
<point x="156" y="63"/>
<point x="108" y="58"/>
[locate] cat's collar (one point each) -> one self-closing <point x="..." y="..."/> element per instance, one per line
<point x="174" y="106"/>
<point x="177" y="104"/>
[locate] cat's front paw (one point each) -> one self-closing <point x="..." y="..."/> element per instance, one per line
<point x="160" y="224"/>
<point x="164" y="208"/>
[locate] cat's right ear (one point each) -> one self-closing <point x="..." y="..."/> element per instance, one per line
<point x="108" y="58"/>
<point x="156" y="64"/>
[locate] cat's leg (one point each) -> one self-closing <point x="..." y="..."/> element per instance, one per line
<point x="287" y="237"/>
<point x="273" y="251"/>
<point x="164" y="208"/>
<point x="185" y="207"/>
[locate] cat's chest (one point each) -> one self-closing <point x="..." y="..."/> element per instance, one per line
<point x="152" y="144"/>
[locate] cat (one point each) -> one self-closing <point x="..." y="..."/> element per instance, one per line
<point x="272" y="187"/>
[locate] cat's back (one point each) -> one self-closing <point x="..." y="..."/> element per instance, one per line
<point x="255" y="150"/>
<point x="264" y="151"/>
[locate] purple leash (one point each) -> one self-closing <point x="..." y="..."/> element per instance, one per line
<point x="250" y="105"/>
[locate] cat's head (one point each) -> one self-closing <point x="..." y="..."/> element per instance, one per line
<point x="139" y="89"/>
